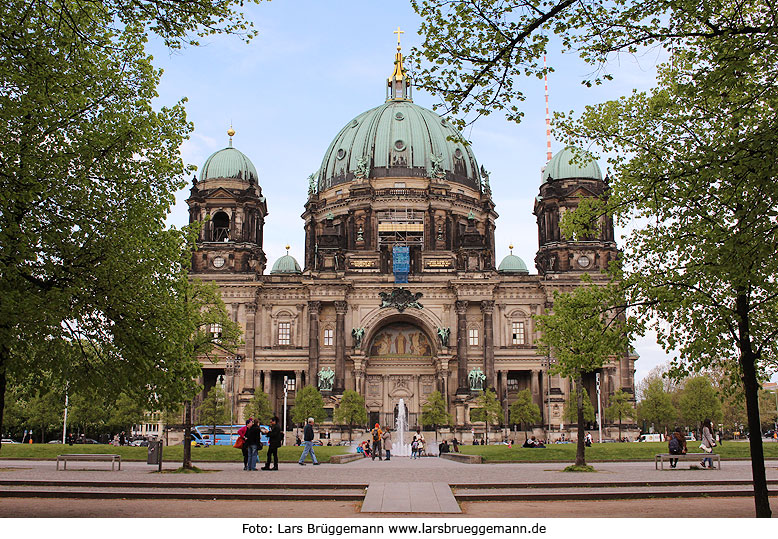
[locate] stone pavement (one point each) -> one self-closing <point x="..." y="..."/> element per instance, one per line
<point x="379" y="486"/>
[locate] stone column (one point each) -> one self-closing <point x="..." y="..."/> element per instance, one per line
<point x="341" y="307"/>
<point x="462" y="383"/>
<point x="535" y="385"/>
<point x="384" y="398"/>
<point x="487" y="308"/>
<point x="247" y="380"/>
<point x="504" y="394"/>
<point x="266" y="387"/>
<point x="298" y="380"/>
<point x="313" y="338"/>
<point x="268" y="329"/>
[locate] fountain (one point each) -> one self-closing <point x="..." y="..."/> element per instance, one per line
<point x="400" y="447"/>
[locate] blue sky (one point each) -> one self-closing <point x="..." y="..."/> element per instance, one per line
<point x="314" y="66"/>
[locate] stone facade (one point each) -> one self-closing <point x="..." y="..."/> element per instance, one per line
<point x="344" y="311"/>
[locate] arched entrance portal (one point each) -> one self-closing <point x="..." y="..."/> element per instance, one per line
<point x="400" y="364"/>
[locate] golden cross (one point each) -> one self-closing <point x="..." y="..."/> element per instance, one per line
<point x="398" y="32"/>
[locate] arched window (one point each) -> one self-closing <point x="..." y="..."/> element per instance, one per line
<point x="221" y="227"/>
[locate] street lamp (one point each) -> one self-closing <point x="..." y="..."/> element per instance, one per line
<point x="233" y="368"/>
<point x="286" y="391"/>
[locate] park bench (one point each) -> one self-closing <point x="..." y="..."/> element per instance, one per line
<point x="660" y="459"/>
<point x="86" y="457"/>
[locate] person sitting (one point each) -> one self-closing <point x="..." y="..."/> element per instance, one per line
<point x="529" y="442"/>
<point x="443" y="448"/>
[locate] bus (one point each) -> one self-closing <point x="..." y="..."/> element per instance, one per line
<point x="225" y="435"/>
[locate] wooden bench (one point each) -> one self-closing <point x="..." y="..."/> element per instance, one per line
<point x="662" y="457"/>
<point x="97" y="457"/>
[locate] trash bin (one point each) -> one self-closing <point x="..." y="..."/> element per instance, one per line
<point x="155" y="453"/>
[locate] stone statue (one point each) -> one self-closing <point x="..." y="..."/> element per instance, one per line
<point x="476" y="379"/>
<point x="358" y="334"/>
<point x="443" y="334"/>
<point x="326" y="379"/>
<point x="312" y="183"/>
<point x="436" y="170"/>
<point x="363" y="168"/>
<point x="485" y="178"/>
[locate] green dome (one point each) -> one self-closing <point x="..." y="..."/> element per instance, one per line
<point x="560" y="166"/>
<point x="398" y="139"/>
<point x="286" y="265"/>
<point x="229" y="163"/>
<point x="512" y="264"/>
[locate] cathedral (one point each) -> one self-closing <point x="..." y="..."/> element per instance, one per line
<point x="399" y="294"/>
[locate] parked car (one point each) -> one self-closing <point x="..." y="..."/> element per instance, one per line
<point x="318" y="442"/>
<point x="85" y="441"/>
<point x="344" y="442"/>
<point x="8" y="441"/>
<point x="139" y="443"/>
<point x="53" y="442"/>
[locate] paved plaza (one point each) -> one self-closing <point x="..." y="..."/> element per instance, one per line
<point x="400" y="487"/>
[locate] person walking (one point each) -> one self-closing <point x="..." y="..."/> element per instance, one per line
<point x="707" y="444"/>
<point x="274" y="437"/>
<point x="245" y="448"/>
<point x="386" y="440"/>
<point x="253" y="435"/>
<point x="308" y="441"/>
<point x="376" y="433"/>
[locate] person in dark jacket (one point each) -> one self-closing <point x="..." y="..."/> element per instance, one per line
<point x="253" y="435"/>
<point x="308" y="440"/>
<point x="245" y="448"/>
<point x="274" y="436"/>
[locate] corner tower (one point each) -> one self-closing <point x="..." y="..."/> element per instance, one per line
<point x="228" y="201"/>
<point x="570" y="176"/>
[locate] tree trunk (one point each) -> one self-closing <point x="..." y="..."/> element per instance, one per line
<point x="187" y="435"/>
<point x="751" y="385"/>
<point x="4" y="356"/>
<point x="619" y="426"/>
<point x="580" y="453"/>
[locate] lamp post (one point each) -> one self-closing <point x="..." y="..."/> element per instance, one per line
<point x="233" y="367"/>
<point x="286" y="391"/>
<point x="599" y="407"/>
<point x="65" y="418"/>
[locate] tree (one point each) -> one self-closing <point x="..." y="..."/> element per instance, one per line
<point x="43" y="413"/>
<point x="89" y="170"/>
<point x="488" y="410"/>
<point x="656" y="407"/>
<point x="351" y="411"/>
<point x="259" y="408"/>
<point x="570" y="412"/>
<point x="768" y="408"/>
<point x="213" y="409"/>
<point x="587" y="328"/>
<point x="308" y="402"/>
<point x="125" y="413"/>
<point x="434" y="412"/>
<point x="524" y="411"/>
<point x="699" y="400"/>
<point x="88" y="409"/>
<point x="621" y="407"/>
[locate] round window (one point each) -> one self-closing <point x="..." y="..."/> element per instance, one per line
<point x="341" y="153"/>
<point x="399" y="145"/>
<point x="399" y="116"/>
<point x="353" y="123"/>
<point x="584" y="261"/>
<point x="458" y="153"/>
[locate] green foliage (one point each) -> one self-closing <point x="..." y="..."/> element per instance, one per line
<point x="656" y="407"/>
<point x="620" y="408"/>
<point x="44" y="413"/>
<point x="308" y="402"/>
<point x="125" y="413"/>
<point x="488" y="408"/>
<point x="259" y="408"/>
<point x="351" y="410"/>
<point x="699" y="400"/>
<point x="434" y="411"/>
<point x="213" y="409"/>
<point x="768" y="408"/>
<point x="571" y="408"/>
<point x="523" y="410"/>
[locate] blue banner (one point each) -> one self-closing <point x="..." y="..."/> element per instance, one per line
<point x="401" y="263"/>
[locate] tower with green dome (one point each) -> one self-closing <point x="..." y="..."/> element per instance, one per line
<point x="227" y="200"/>
<point x="568" y="177"/>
